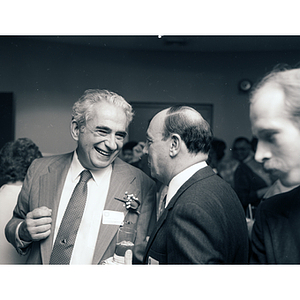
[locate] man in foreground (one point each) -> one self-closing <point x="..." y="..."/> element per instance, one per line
<point x="203" y="221"/>
<point x="275" y="119"/>
<point x="71" y="206"/>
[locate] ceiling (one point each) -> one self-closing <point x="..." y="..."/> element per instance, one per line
<point x="213" y="43"/>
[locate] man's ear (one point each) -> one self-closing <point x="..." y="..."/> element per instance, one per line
<point x="74" y="130"/>
<point x="175" y="145"/>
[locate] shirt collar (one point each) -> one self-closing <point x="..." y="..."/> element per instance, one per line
<point x="181" y="178"/>
<point x="76" y="168"/>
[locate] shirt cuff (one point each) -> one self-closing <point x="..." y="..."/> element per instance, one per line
<point x="21" y="245"/>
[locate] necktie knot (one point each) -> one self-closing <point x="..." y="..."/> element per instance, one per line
<point x="85" y="176"/>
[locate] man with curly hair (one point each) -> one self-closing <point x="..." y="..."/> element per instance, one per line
<point x="91" y="183"/>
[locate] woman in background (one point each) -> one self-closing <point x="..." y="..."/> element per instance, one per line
<point x="15" y="159"/>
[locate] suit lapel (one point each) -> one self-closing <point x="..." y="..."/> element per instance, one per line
<point x="158" y="225"/>
<point x="121" y="181"/>
<point x="51" y="185"/>
<point x="199" y="175"/>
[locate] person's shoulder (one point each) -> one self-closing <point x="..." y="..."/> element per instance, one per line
<point x="282" y="203"/>
<point x="45" y="161"/>
<point x="53" y="158"/>
<point x="208" y="182"/>
<point x="132" y="169"/>
<point x="208" y="177"/>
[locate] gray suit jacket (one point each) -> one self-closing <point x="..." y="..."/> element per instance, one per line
<point x="43" y="187"/>
<point x="203" y="223"/>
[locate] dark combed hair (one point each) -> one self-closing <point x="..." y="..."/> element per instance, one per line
<point x="15" y="159"/>
<point x="195" y="133"/>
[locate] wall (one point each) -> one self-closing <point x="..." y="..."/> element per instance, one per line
<point x="47" y="78"/>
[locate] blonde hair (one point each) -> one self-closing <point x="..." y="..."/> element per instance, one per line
<point x="288" y="80"/>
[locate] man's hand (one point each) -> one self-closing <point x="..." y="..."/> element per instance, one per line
<point x="113" y="261"/>
<point x="128" y="257"/>
<point x="37" y="225"/>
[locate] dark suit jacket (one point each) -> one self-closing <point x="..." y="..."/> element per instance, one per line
<point x="43" y="187"/>
<point x="276" y="230"/>
<point x="246" y="183"/>
<point x="203" y="223"/>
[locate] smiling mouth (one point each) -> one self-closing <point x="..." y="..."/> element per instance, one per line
<point x="102" y="152"/>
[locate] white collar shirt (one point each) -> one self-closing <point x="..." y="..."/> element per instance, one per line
<point x="178" y="180"/>
<point x="87" y="234"/>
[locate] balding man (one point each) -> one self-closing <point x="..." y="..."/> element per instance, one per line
<point x="203" y="220"/>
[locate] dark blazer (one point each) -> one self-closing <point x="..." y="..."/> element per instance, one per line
<point x="246" y="183"/>
<point x="203" y="223"/>
<point x="276" y="230"/>
<point x="43" y="187"/>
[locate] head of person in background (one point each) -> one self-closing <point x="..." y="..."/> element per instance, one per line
<point x="99" y="125"/>
<point x="241" y="149"/>
<point x="127" y="151"/>
<point x="275" y="119"/>
<point x="15" y="159"/>
<point x="216" y="153"/>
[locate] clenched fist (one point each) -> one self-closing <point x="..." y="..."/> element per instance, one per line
<point x="37" y="225"/>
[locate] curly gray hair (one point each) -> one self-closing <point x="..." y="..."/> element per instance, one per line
<point x="83" y="107"/>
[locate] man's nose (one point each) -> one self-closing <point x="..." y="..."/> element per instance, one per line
<point x="111" y="142"/>
<point x="145" y="149"/>
<point x="262" y="152"/>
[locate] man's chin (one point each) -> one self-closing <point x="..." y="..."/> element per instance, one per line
<point x="103" y="163"/>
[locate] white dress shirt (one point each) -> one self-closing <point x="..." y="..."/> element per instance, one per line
<point x="87" y="234"/>
<point x="181" y="178"/>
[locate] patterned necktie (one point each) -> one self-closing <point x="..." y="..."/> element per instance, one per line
<point x="65" y="239"/>
<point x="162" y="200"/>
<point x="162" y="206"/>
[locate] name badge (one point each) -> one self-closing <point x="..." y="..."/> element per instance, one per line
<point x="112" y="217"/>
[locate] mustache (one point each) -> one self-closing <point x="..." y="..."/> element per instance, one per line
<point x="275" y="165"/>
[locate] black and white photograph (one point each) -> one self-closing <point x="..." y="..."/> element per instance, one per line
<point x="169" y="153"/>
